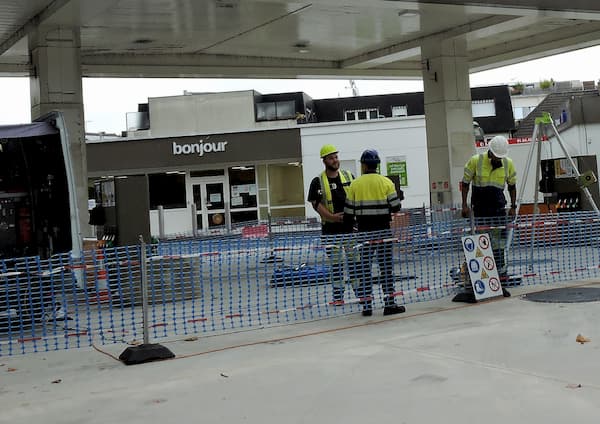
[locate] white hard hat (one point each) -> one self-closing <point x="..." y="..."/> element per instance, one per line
<point x="499" y="146"/>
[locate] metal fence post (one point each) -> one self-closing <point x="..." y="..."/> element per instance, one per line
<point x="144" y="287"/>
<point x="145" y="352"/>
<point x="269" y="222"/>
<point x="271" y="257"/>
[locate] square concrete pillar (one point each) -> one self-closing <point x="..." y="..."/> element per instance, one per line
<point x="448" y="116"/>
<point x="56" y="86"/>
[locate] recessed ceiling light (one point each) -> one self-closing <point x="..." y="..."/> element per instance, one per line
<point x="227" y="4"/>
<point x="302" y="47"/>
<point x="408" y="13"/>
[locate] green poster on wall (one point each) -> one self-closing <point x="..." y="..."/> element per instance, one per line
<point x="397" y="166"/>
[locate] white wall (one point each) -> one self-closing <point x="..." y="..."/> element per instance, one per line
<point x="390" y="137"/>
<point x="177" y="221"/>
<point x="582" y="139"/>
<point x="407" y="137"/>
<point x="206" y="113"/>
<point x="524" y="100"/>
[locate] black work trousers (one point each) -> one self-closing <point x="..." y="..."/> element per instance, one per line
<point x="339" y="251"/>
<point x="374" y="249"/>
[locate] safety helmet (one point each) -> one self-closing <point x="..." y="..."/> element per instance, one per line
<point x="328" y="149"/>
<point x="499" y="146"/>
<point x="370" y="157"/>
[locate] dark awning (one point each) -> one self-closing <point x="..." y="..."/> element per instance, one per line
<point x="35" y="129"/>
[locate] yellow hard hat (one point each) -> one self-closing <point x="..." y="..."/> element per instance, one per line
<point x="328" y="149"/>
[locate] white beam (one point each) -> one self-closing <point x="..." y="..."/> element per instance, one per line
<point x="534" y="47"/>
<point x="31" y="24"/>
<point x="15" y="69"/>
<point x="582" y="6"/>
<point x="199" y="71"/>
<point x="388" y="54"/>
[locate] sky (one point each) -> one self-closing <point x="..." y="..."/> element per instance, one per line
<point x="107" y="100"/>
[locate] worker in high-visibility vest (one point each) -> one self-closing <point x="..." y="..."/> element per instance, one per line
<point x="490" y="173"/>
<point x="327" y="194"/>
<point x="370" y="202"/>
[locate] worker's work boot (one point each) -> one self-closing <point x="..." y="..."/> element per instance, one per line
<point x="338" y="296"/>
<point x="391" y="308"/>
<point x="367" y="308"/>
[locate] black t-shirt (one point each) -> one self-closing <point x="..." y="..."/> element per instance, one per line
<point x="338" y="196"/>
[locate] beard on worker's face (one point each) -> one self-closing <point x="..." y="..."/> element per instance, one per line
<point x="334" y="166"/>
<point x="496" y="163"/>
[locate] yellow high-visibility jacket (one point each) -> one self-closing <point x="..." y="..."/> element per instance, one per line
<point x="326" y="197"/>
<point x="370" y="200"/>
<point x="487" y="197"/>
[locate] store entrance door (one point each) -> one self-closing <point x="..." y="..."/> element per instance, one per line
<point x="210" y="199"/>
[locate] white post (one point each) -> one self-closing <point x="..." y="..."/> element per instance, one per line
<point x="194" y="220"/>
<point x="161" y="222"/>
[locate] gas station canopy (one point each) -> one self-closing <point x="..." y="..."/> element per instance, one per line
<point x="293" y="38"/>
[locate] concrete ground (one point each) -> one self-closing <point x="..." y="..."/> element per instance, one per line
<point x="506" y="360"/>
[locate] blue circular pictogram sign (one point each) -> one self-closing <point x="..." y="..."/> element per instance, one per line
<point x="474" y="266"/>
<point x="479" y="286"/>
<point x="469" y="244"/>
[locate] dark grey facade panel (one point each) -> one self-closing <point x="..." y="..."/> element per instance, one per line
<point x="504" y="121"/>
<point x="331" y="110"/>
<point x="189" y="151"/>
<point x="301" y="100"/>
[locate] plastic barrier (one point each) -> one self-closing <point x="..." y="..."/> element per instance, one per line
<point x="221" y="284"/>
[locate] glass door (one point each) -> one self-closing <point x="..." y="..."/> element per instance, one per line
<point x="209" y="198"/>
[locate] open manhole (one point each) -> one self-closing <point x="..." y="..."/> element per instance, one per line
<point x="566" y="295"/>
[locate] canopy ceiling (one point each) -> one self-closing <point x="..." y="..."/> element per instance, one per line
<point x="294" y="38"/>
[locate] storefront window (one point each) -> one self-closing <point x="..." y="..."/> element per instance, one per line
<point x="243" y="194"/>
<point x="167" y="190"/>
<point x="243" y="216"/>
<point x="242" y="183"/>
<point x="263" y="189"/>
<point x="280" y="189"/>
<point x="288" y="212"/>
<point x="286" y="185"/>
<point x="286" y="191"/>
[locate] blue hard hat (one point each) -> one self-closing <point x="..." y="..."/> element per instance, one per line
<point x="370" y="156"/>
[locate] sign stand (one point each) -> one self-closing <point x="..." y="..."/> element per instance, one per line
<point x="481" y="268"/>
<point x="483" y="273"/>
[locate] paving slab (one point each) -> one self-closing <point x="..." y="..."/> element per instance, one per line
<point x="507" y="360"/>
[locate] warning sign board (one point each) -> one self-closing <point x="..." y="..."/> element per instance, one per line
<point x="482" y="266"/>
